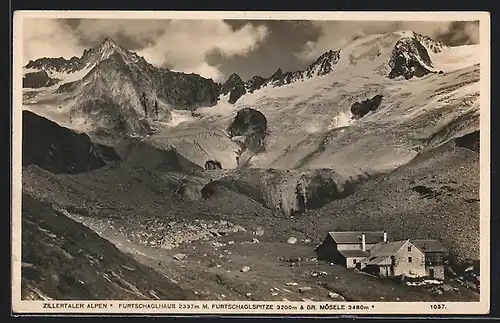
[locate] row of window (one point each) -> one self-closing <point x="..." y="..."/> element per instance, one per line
<point x="429" y="258"/>
<point x="410" y="259"/>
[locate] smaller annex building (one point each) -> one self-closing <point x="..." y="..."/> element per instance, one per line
<point x="435" y="253"/>
<point x="349" y="247"/>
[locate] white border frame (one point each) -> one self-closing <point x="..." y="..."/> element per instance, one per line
<point x="482" y="307"/>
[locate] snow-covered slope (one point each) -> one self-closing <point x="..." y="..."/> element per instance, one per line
<point x="311" y="125"/>
<point x="430" y="94"/>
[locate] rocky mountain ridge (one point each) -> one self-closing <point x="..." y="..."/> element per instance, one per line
<point x="409" y="58"/>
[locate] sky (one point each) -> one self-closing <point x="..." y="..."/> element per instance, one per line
<point x="217" y="48"/>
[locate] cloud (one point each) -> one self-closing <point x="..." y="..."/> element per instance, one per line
<point x="133" y="34"/>
<point x="182" y="45"/>
<point x="337" y="34"/>
<point x="186" y="44"/>
<point x="48" y="38"/>
<point x="460" y="33"/>
<point x="207" y="71"/>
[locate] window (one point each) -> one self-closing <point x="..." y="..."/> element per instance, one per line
<point x="409" y="248"/>
<point x="409" y="259"/>
<point x="433" y="257"/>
<point x="354" y="261"/>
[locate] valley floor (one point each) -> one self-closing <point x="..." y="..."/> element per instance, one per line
<point x="211" y="269"/>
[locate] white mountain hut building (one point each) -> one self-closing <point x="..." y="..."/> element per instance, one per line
<point x="395" y="258"/>
<point x="371" y="252"/>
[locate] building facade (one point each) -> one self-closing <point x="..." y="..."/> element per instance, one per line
<point x="395" y="258"/>
<point x="435" y="254"/>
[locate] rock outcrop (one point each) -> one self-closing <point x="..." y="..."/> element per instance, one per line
<point x="58" y="64"/>
<point x="235" y="87"/>
<point x="213" y="164"/>
<point x="38" y="79"/>
<point x="60" y="150"/>
<point x="255" y="83"/>
<point x="360" y="109"/>
<point x="322" y="66"/>
<point x="469" y="141"/>
<point x="289" y="192"/>
<point x="249" y="129"/>
<point x="409" y="58"/>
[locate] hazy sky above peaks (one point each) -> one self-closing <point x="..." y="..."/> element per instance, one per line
<point x="217" y="48"/>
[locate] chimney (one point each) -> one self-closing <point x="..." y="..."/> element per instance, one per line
<point x="385" y="236"/>
<point x="363" y="242"/>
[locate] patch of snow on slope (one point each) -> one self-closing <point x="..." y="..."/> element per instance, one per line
<point x="455" y="58"/>
<point x="222" y="108"/>
<point x="178" y="117"/>
<point x="69" y="77"/>
<point x="342" y="119"/>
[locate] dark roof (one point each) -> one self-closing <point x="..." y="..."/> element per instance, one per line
<point x="429" y="245"/>
<point x="354" y="253"/>
<point x="380" y="261"/>
<point x="355" y="236"/>
<point x="386" y="249"/>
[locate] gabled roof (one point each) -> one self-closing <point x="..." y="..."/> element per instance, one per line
<point x="383" y="260"/>
<point x="346" y="237"/>
<point x="354" y="253"/>
<point x="429" y="245"/>
<point x="387" y="249"/>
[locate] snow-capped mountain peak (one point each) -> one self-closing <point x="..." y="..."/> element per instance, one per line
<point x="324" y="64"/>
<point x="90" y="58"/>
<point x="107" y="48"/>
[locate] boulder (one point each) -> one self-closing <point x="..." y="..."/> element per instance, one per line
<point x="245" y="269"/>
<point x="179" y="256"/>
<point x="336" y="296"/>
<point x="292" y="240"/>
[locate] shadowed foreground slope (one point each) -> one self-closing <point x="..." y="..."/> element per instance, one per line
<point x="63" y="259"/>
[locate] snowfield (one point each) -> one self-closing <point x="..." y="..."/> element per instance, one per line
<point x="310" y="121"/>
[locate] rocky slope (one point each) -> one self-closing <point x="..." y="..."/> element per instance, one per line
<point x="60" y="150"/>
<point x="436" y="196"/>
<point x="54" y="245"/>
